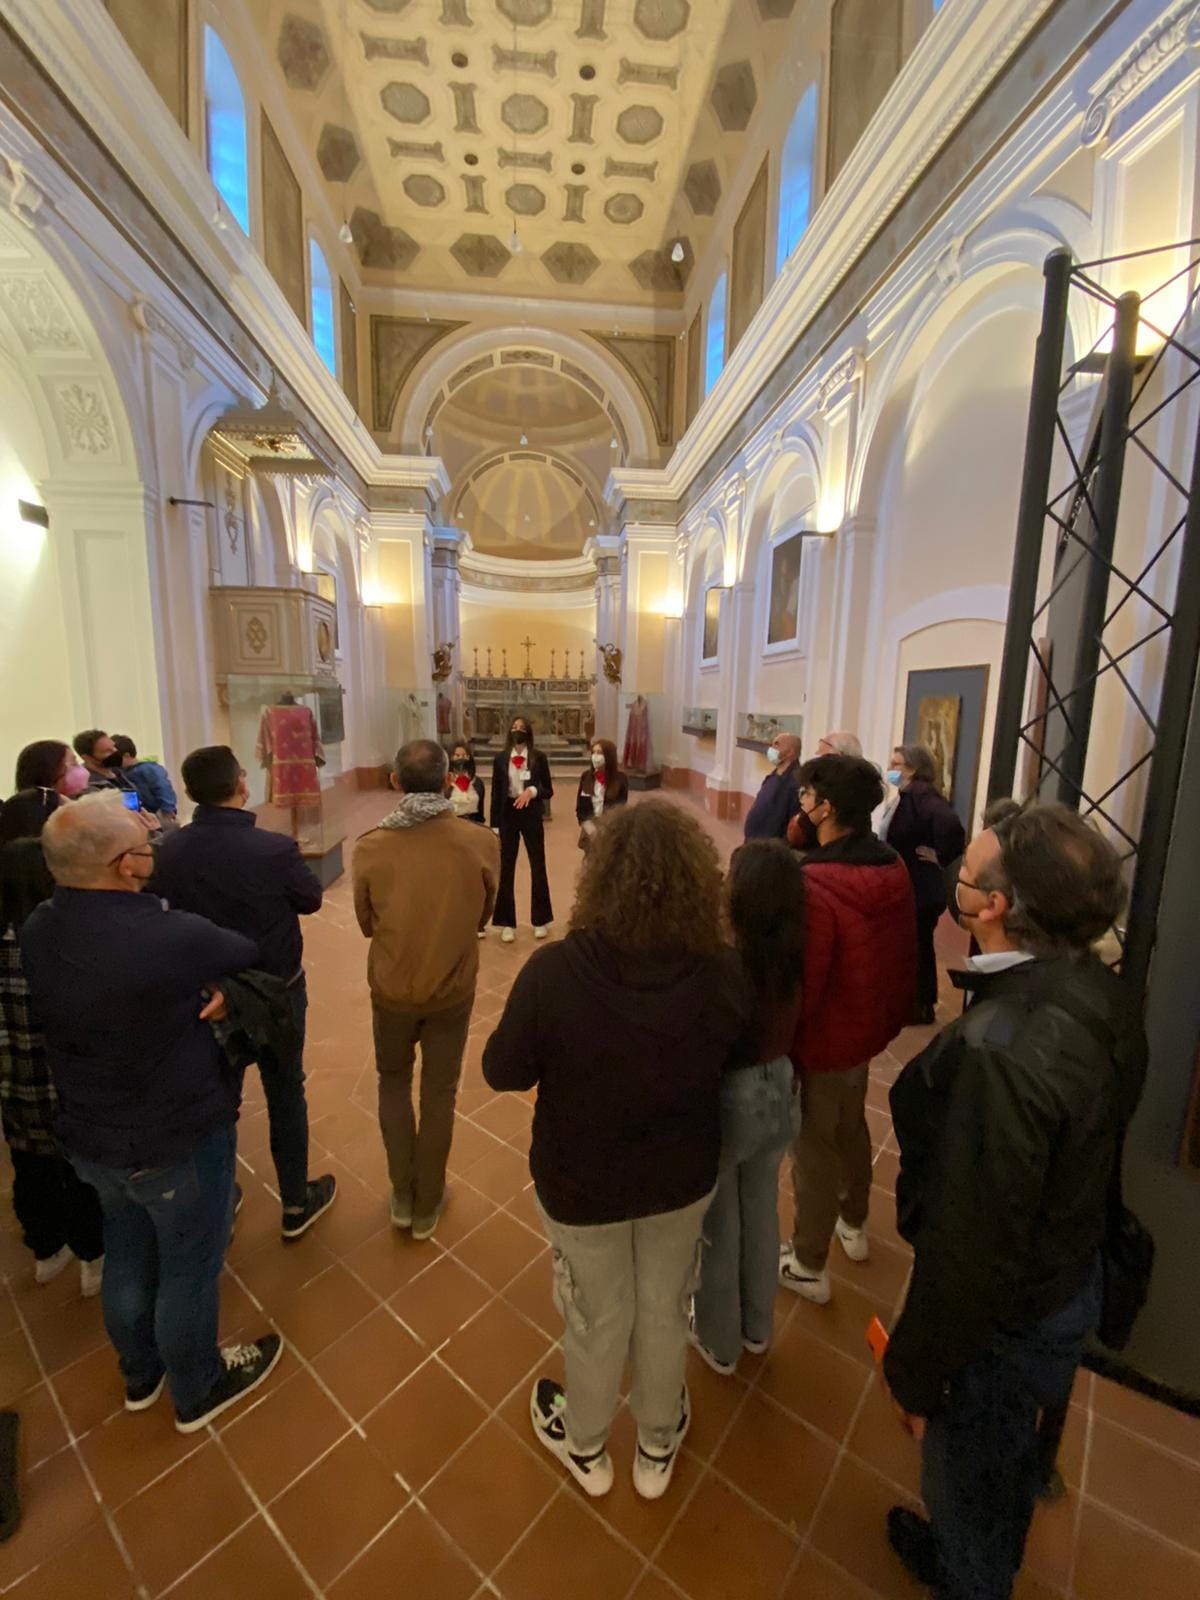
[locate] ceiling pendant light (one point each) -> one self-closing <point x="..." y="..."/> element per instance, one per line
<point x="677" y="251"/>
<point x="614" y="445"/>
<point x="346" y="233"/>
<point x="514" y="244"/>
<point x="524" y="438"/>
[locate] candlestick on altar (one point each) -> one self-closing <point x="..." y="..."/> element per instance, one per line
<point x="553" y="653"/>
<point x="504" y="662"/>
<point x="489" y="651"/>
<point x="581" y="671"/>
<point x="476" y="660"/>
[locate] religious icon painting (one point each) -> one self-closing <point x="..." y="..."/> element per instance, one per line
<point x="712" y="625"/>
<point x="783" y="615"/>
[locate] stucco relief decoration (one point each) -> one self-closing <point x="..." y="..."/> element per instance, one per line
<point x="84" y="416"/>
<point x="443" y="662"/>
<point x="24" y="197"/>
<point x="844" y="372"/>
<point x="42" y="320"/>
<point x="151" y="320"/>
<point x="232" y="522"/>
<point x="611" y="658"/>
<point x="1173" y="33"/>
<point x="256" y="635"/>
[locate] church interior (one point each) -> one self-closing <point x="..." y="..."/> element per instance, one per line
<point x="664" y="372"/>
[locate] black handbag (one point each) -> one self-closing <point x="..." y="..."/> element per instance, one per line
<point x="1127" y="1262"/>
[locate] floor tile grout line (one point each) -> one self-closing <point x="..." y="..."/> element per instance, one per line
<point x="160" y="1594"/>
<point x="1139" y="1527"/>
<point x="843" y="1450"/>
<point x="265" y="1514"/>
<point x="106" y="1511"/>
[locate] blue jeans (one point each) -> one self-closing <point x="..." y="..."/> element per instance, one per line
<point x="980" y="1471"/>
<point x="165" y="1234"/>
<point x="287" y="1110"/>
<point x="739" y="1272"/>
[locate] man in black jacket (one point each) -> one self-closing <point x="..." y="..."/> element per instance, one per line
<point x="778" y="800"/>
<point x="255" y="882"/>
<point x="1009" y="1126"/>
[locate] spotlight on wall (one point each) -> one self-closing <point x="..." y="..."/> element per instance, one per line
<point x="29" y="512"/>
<point x="346" y="233"/>
<point x="614" y="445"/>
<point x="677" y="251"/>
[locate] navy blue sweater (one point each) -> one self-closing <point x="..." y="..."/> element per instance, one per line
<point x="776" y="803"/>
<point x="242" y="877"/>
<point x="115" y="984"/>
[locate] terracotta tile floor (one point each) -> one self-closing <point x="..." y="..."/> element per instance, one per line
<point x="391" y="1452"/>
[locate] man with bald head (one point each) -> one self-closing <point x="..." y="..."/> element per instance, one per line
<point x="778" y="801"/>
<point x="123" y="991"/>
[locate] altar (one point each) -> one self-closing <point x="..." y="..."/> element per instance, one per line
<point x="558" y="708"/>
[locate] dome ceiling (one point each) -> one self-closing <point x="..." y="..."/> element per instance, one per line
<point x="527" y="506"/>
<point x="601" y="131"/>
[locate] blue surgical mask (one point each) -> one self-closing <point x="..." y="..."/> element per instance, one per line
<point x="773" y="756"/>
<point x="893" y="777"/>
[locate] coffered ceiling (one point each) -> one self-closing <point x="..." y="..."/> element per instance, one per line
<point x="559" y="147"/>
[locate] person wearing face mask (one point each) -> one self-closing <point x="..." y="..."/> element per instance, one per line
<point x="59" y="1215"/>
<point x="123" y="990"/>
<point x="602" y="788"/>
<point x="466" y="790"/>
<point x="926" y="832"/>
<point x="778" y="800"/>
<point x="50" y="765"/>
<point x="521" y="789"/>
<point x="105" y="767"/>
<point x="860" y="964"/>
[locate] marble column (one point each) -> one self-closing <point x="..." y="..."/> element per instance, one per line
<point x="605" y="551"/>
<point x="445" y="622"/>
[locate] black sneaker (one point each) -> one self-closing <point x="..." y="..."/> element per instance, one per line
<point x="10" y="1474"/>
<point x="652" y="1471"/>
<point x="1052" y="1488"/>
<point x="547" y="1404"/>
<point x="239" y="1199"/>
<point x="246" y="1366"/>
<point x="322" y="1192"/>
<point x="141" y="1396"/>
<point x="911" y="1537"/>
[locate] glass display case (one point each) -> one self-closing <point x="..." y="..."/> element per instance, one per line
<point x="319" y="827"/>
<point x="756" y="729"/>
<point x="700" y="721"/>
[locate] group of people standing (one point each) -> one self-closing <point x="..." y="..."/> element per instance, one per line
<point x="690" y="1029"/>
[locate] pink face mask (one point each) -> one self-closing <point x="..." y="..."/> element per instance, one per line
<point x="73" y="782"/>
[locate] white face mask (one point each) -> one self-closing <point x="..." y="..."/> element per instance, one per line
<point x="598" y="761"/>
<point x="773" y="755"/>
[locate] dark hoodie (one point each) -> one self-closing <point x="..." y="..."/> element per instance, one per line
<point x="626" y="1052"/>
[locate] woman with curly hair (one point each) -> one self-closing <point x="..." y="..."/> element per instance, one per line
<point x="624" y="1029"/>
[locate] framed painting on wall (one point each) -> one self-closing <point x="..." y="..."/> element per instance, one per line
<point x="783" y="613"/>
<point x="943" y="710"/>
<point x="711" y="640"/>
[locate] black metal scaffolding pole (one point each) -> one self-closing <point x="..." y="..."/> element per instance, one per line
<point x="1105" y="507"/>
<point x="1174" y="716"/>
<point x="1031" y="518"/>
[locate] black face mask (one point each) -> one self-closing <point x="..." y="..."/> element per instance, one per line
<point x="460" y="766"/>
<point x="805" y="831"/>
<point x="113" y="762"/>
<point x="518" y="736"/>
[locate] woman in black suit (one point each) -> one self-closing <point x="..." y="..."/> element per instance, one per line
<point x="602" y="788"/>
<point x="521" y="787"/>
<point x="925" y="831"/>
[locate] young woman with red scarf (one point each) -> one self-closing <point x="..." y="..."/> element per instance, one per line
<point x="466" y="790"/>
<point x="520" y="788"/>
<point x="602" y="788"/>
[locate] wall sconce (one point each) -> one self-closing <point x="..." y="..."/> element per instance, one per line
<point x="35" y="514"/>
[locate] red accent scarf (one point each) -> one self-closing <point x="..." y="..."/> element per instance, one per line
<point x="462" y="781"/>
<point x="518" y="762"/>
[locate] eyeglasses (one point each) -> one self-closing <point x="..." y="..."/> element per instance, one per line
<point x="141" y="852"/>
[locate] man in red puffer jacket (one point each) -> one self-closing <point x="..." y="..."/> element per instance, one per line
<point x="860" y="965"/>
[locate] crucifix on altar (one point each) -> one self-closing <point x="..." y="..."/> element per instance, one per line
<point x="528" y="643"/>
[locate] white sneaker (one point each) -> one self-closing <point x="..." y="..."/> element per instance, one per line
<point x="540" y="933"/>
<point x="547" y="1404"/>
<point x="800" y="1280"/>
<point x="756" y="1347"/>
<point x="723" y="1368"/>
<point x="853" y="1241"/>
<point x="507" y="935"/>
<point x="401" y="1211"/>
<point x="426" y="1227"/>
<point x="91" y="1277"/>
<point x="652" y="1472"/>
<point x="483" y="933"/>
<point x="47" y="1269"/>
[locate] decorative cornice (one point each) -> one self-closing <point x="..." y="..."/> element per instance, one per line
<point x="525" y="583"/>
<point x="151" y="320"/>
<point x="844" y="373"/>
<point x="1174" y="31"/>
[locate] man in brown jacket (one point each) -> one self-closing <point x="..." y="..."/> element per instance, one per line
<point x="424" y="886"/>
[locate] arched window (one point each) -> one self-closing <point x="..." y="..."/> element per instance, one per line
<point x="796" y="176"/>
<point x="225" y="129"/>
<point x="320" y="305"/>
<point x="714" y="336"/>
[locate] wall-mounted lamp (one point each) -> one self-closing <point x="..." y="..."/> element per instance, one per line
<point x="29" y="512"/>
